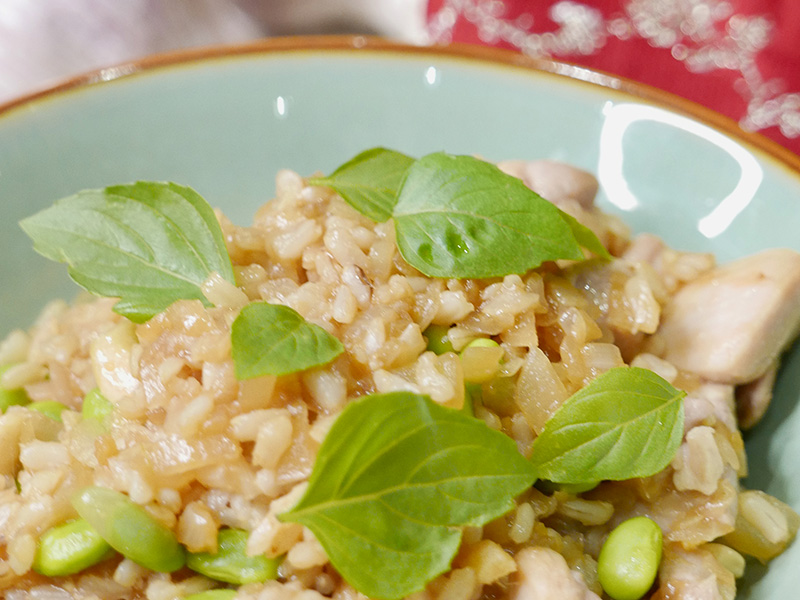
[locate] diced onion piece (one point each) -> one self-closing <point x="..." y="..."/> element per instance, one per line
<point x="764" y="526"/>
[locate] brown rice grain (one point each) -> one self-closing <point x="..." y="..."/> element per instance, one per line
<point x="21" y="550"/>
<point x="221" y="292"/>
<point x="14" y="348"/>
<point x="587" y="512"/>
<point x="460" y="584"/>
<point x="728" y="558"/>
<point x="522" y="523"/>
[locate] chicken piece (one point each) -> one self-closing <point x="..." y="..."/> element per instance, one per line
<point x="543" y="574"/>
<point x="645" y="247"/>
<point x="554" y="181"/>
<point x="731" y="324"/>
<point x="710" y="403"/>
<point x="693" y="575"/>
<point x="753" y="398"/>
<point x="627" y="294"/>
<point x="673" y="268"/>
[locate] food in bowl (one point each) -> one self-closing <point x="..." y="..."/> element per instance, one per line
<point x="410" y="378"/>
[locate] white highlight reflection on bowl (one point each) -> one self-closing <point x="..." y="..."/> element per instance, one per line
<point x="619" y="117"/>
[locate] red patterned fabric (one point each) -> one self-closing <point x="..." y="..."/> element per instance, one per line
<point x="738" y="57"/>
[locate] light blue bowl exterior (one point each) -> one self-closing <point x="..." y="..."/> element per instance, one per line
<point x="225" y="125"/>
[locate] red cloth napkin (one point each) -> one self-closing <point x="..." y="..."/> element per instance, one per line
<point x="738" y="57"/>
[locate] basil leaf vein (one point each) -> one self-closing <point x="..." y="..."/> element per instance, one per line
<point x="394" y="477"/>
<point x="147" y="243"/>
<point x="270" y="339"/>
<point x="626" y="423"/>
<point x="369" y="181"/>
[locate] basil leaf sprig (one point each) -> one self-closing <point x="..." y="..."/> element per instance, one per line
<point x="457" y="216"/>
<point x="626" y="423"/>
<point x="397" y="475"/>
<point x="270" y="339"/>
<point x="394" y="478"/>
<point x="369" y="181"/>
<point x="585" y="236"/>
<point x="147" y="243"/>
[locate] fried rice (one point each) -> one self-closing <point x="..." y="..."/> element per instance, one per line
<point x="201" y="451"/>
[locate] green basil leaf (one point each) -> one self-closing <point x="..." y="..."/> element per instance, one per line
<point x="585" y="236"/>
<point x="270" y="339"/>
<point x="626" y="423"/>
<point x="393" y="477"/>
<point x="369" y="182"/>
<point x="457" y="216"/>
<point x="149" y="244"/>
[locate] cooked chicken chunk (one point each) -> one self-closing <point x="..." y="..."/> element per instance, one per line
<point x="731" y="324"/>
<point x="753" y="399"/>
<point x="555" y="181"/>
<point x="645" y="247"/>
<point x="693" y="575"/>
<point x="710" y="403"/>
<point x="544" y="575"/>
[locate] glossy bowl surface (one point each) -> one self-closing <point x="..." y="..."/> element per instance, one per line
<point x="225" y="120"/>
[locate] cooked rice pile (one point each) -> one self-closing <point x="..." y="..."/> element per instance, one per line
<point x="201" y="450"/>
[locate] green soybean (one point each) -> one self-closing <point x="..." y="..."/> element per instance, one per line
<point x="481" y="343"/>
<point x="96" y="407"/>
<point x="629" y="559"/>
<point x="230" y="563"/>
<point x="69" y="548"/>
<point x="129" y="529"/>
<point x="15" y="397"/>
<point x="49" y="408"/>
<point x="438" y="340"/>
<point x="212" y="595"/>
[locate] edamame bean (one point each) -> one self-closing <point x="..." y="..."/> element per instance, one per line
<point x="212" y="595"/>
<point x="481" y="360"/>
<point x="16" y="397"/>
<point x="481" y="343"/>
<point x="49" y="408"/>
<point x="231" y="563"/>
<point x="438" y="340"/>
<point x="69" y="548"/>
<point x="629" y="559"/>
<point x="129" y="529"/>
<point x="96" y="407"/>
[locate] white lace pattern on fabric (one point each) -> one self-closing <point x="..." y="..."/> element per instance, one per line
<point x="704" y="35"/>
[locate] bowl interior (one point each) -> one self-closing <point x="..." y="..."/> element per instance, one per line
<point x="224" y="125"/>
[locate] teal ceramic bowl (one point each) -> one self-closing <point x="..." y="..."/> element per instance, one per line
<point x="224" y="120"/>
